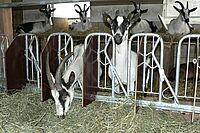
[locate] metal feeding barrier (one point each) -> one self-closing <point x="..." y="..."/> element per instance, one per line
<point x="152" y="87"/>
<point x="188" y="92"/>
<point x="33" y="70"/>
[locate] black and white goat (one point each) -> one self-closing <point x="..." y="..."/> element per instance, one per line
<point x="84" y="23"/>
<point x="40" y="26"/>
<point x="141" y="25"/>
<point x="63" y="92"/>
<point x="179" y="25"/>
<point x="120" y="26"/>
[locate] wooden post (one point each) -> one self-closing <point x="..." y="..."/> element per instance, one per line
<point x="6" y="26"/>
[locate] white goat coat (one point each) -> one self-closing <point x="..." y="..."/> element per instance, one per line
<point x="76" y="65"/>
<point x="178" y="26"/>
<point x="122" y="62"/>
<point x="141" y="27"/>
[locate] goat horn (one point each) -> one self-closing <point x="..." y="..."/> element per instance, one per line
<point x="49" y="78"/>
<point x="85" y="7"/>
<point x="135" y="5"/>
<point x="187" y="5"/>
<point x="139" y="5"/>
<point x="60" y="69"/>
<point x="181" y="4"/>
<point x="78" y="7"/>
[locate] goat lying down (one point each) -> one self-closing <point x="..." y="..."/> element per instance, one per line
<point x="40" y="26"/>
<point x="141" y="25"/>
<point x="84" y="23"/>
<point x="179" y="25"/>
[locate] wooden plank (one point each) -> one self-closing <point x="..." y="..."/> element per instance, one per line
<point x="90" y="80"/>
<point x="94" y="2"/>
<point x="6" y="21"/>
<point x="15" y="65"/>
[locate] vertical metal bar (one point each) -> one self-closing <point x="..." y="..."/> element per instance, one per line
<point x="195" y="89"/>
<point x="144" y="63"/>
<point x="37" y="61"/>
<point x="98" y="59"/>
<point x="161" y="66"/>
<point x="59" y="49"/>
<point x="152" y="68"/>
<point x="129" y="67"/>
<point x="26" y="55"/>
<point x="187" y="68"/>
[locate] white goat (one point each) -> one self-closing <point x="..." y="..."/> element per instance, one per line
<point x="84" y="23"/>
<point x="40" y="26"/>
<point x="179" y="25"/>
<point x="119" y="27"/>
<point x="141" y="25"/>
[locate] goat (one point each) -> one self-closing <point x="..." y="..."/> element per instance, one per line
<point x="63" y="92"/>
<point x="119" y="27"/>
<point x="84" y="23"/>
<point x="40" y="26"/>
<point x="179" y="25"/>
<point x="141" y="25"/>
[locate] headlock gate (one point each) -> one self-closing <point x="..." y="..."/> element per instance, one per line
<point x="22" y="62"/>
<point x="152" y="87"/>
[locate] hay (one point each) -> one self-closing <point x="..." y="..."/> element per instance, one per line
<point x="23" y="112"/>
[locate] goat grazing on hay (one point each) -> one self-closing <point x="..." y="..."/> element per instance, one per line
<point x="179" y="25"/>
<point x="84" y="23"/>
<point x="141" y="25"/>
<point x="120" y="26"/>
<point x="40" y="26"/>
<point x="63" y="92"/>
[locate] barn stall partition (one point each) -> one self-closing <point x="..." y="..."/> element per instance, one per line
<point x="22" y="62"/>
<point x="3" y="47"/>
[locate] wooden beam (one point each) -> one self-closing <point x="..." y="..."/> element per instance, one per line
<point x="6" y="26"/>
<point x="42" y="2"/>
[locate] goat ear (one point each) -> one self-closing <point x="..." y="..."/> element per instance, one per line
<point x="71" y="77"/>
<point x="117" y="13"/>
<point x="107" y="19"/>
<point x="52" y="10"/>
<point x="193" y="9"/>
<point x="144" y="11"/>
<point x="176" y="9"/>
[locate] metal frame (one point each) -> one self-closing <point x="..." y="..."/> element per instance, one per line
<point x="32" y="58"/>
<point x="189" y="40"/>
<point x="160" y="101"/>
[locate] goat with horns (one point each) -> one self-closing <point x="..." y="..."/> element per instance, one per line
<point x="120" y="26"/>
<point x="40" y="26"/>
<point x="179" y="25"/>
<point x="141" y="25"/>
<point x="84" y="23"/>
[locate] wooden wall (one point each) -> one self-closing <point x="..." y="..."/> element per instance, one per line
<point x="6" y="21"/>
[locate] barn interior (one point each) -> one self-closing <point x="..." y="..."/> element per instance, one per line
<point x="162" y="95"/>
